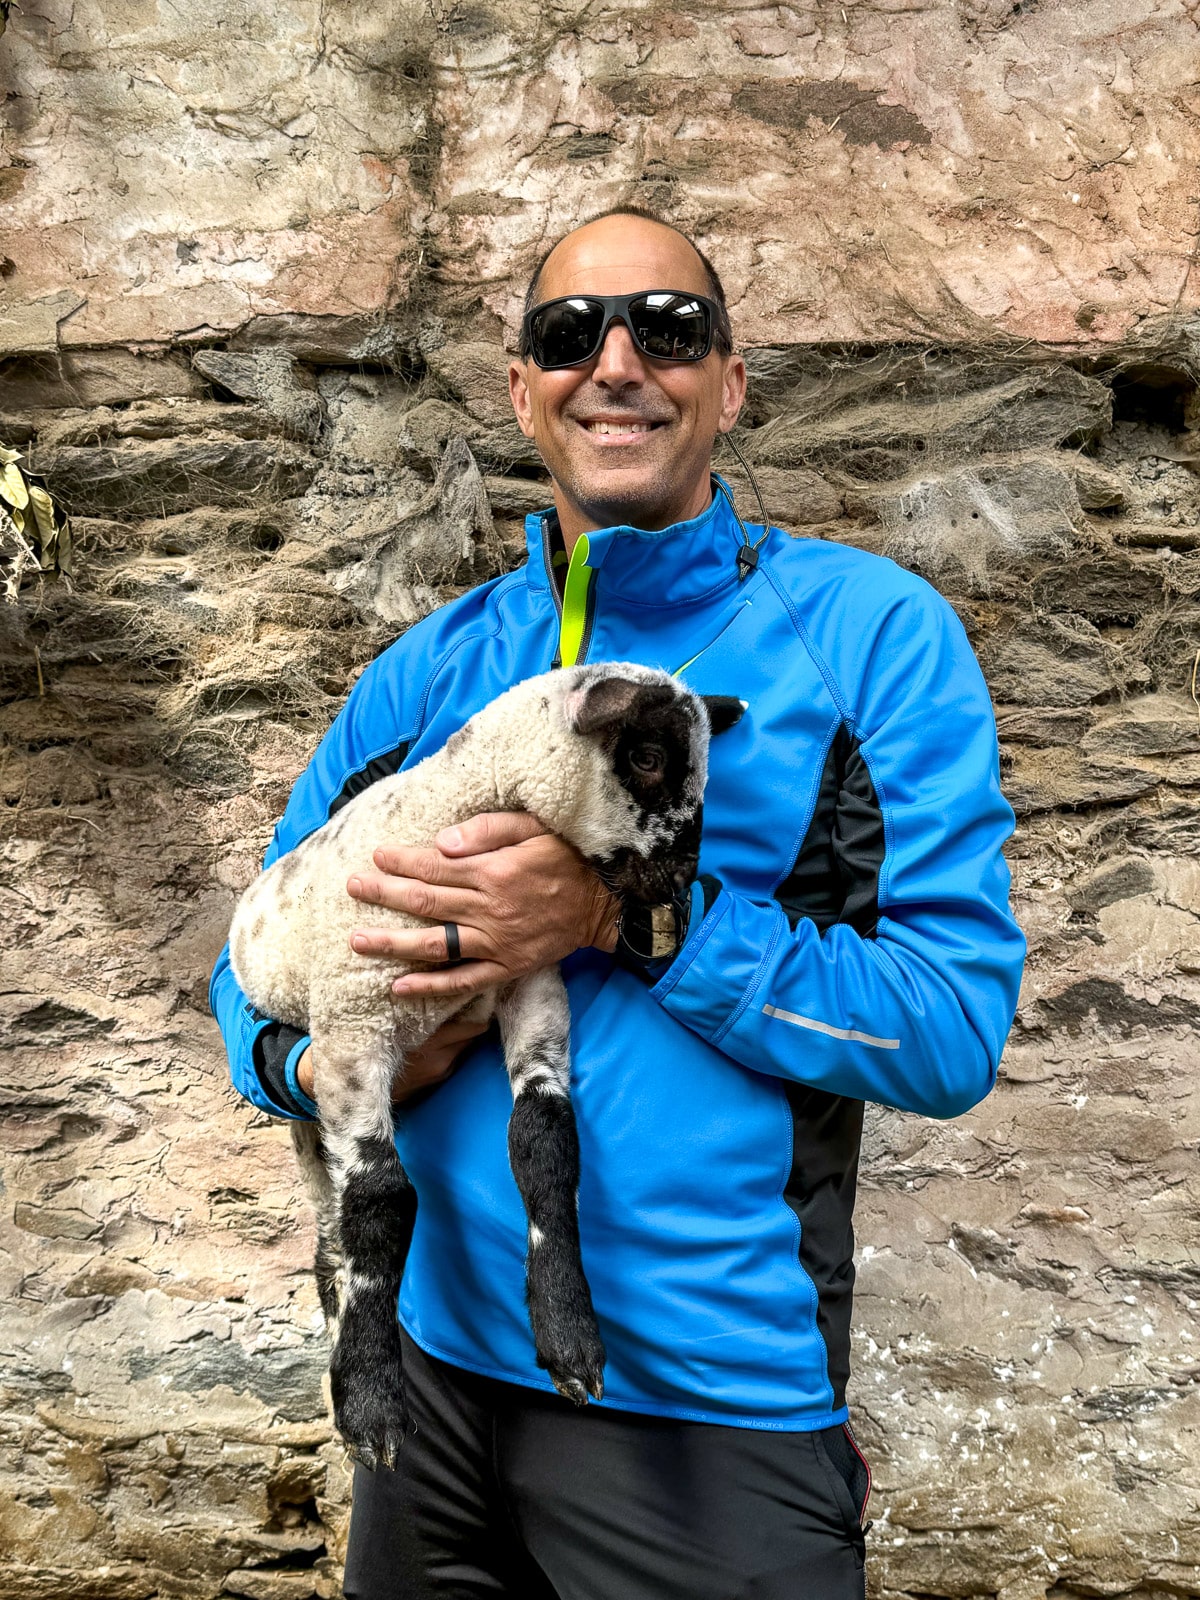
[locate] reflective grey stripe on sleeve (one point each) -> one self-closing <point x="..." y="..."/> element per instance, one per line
<point x="834" y="1033"/>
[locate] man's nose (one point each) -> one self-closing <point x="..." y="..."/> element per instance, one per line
<point x="619" y="362"/>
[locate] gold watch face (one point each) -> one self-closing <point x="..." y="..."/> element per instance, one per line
<point x="664" y="938"/>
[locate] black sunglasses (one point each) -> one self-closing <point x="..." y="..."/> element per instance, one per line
<point x="667" y="324"/>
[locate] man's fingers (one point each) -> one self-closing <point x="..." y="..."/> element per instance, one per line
<point x="471" y="978"/>
<point x="490" y="830"/>
<point x="431" y="866"/>
<point x="437" y="902"/>
<point x="417" y="944"/>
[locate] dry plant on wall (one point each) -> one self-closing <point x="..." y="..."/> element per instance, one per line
<point x="34" y="532"/>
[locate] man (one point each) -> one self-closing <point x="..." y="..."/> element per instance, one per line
<point x="848" y="940"/>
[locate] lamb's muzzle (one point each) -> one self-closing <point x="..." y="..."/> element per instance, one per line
<point x="612" y="757"/>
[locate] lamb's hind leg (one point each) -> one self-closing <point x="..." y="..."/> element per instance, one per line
<point x="314" y="1169"/>
<point x="543" y="1149"/>
<point x="375" y="1206"/>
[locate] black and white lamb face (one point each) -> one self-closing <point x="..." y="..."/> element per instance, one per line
<point x="654" y="733"/>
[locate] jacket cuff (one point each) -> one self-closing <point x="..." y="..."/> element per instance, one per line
<point x="306" y="1103"/>
<point x="276" y="1053"/>
<point x="665" y="974"/>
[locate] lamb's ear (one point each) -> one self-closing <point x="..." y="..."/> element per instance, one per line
<point x="601" y="708"/>
<point x="724" y="711"/>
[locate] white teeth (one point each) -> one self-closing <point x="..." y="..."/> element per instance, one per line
<point x="618" y="427"/>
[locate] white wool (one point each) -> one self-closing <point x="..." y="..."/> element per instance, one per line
<point x="289" y="943"/>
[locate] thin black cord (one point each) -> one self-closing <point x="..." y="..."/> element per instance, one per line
<point x="732" y="443"/>
<point x="747" y="556"/>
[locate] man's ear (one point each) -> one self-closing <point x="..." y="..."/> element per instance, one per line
<point x="733" y="392"/>
<point x="724" y="711"/>
<point x="518" y="393"/>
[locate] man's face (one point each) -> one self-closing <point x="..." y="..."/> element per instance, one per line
<point x="653" y="469"/>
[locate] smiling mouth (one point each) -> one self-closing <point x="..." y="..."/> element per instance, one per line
<point x="623" y="431"/>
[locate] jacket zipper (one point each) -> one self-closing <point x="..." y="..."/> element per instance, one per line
<point x="576" y="607"/>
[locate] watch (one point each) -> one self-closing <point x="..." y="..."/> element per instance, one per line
<point x="652" y="933"/>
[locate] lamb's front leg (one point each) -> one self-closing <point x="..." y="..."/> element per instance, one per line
<point x="543" y="1149"/>
<point x="375" y="1207"/>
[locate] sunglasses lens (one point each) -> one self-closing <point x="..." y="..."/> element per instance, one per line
<point x="673" y="327"/>
<point x="566" y="332"/>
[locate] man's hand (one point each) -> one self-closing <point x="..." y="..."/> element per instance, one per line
<point x="431" y="1064"/>
<point x="521" y="897"/>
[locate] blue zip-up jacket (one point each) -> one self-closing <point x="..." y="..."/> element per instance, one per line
<point x="856" y="945"/>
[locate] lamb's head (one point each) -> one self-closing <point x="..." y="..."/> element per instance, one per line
<point x="639" y="820"/>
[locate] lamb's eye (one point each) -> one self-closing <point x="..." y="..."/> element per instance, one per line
<point x="648" y="758"/>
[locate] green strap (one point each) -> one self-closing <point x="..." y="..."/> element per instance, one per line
<point x="574" y="606"/>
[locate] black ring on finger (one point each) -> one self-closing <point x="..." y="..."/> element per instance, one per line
<point x="454" y="955"/>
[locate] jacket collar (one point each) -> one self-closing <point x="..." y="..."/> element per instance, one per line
<point x="675" y="566"/>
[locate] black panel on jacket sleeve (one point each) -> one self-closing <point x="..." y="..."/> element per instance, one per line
<point x="826" y="1137"/>
<point x="272" y="1047"/>
<point x="384" y="766"/>
<point x="835" y="877"/>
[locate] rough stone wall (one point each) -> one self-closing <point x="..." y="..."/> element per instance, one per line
<point x="256" y="269"/>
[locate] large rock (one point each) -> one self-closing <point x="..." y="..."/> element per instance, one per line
<point x="477" y="375"/>
<point x="210" y="157"/>
<point x="874" y="435"/>
<point x="407" y="548"/>
<point x="92" y="378"/>
<point x="1053" y="661"/>
<point x="271" y="377"/>
<point x="326" y="340"/>
<point x="982" y="517"/>
<point x="162" y="476"/>
<point x="943" y="172"/>
<point x="30" y="327"/>
<point x="385" y="422"/>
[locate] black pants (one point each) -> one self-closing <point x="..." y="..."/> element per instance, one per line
<point x="503" y="1491"/>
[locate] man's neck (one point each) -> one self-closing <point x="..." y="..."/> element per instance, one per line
<point x="574" y="520"/>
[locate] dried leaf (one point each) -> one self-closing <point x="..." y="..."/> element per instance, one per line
<point x="28" y="509"/>
<point x="43" y="510"/>
<point x="12" y="486"/>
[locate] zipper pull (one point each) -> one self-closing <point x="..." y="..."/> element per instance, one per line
<point x="747" y="560"/>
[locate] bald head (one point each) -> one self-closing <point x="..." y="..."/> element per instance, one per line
<point x="626" y="242"/>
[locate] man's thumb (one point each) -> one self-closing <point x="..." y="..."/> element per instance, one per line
<point x="491" y="830"/>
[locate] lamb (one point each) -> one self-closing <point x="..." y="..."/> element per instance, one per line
<point x="613" y="758"/>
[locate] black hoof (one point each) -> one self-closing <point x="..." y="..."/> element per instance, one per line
<point x="363" y="1455"/>
<point x="373" y="1428"/>
<point x="576" y="1365"/>
<point x="570" y="1388"/>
